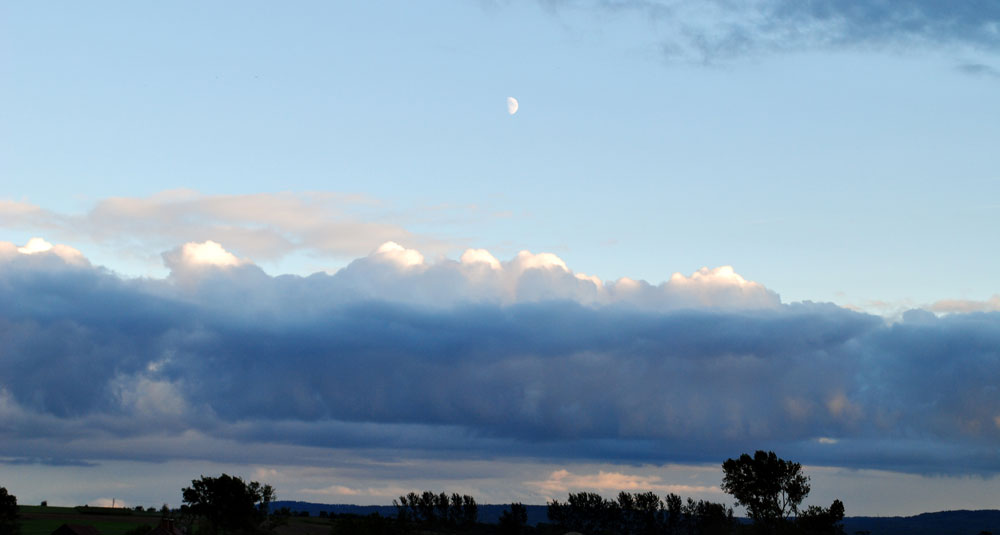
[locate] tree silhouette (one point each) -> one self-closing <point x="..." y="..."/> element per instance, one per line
<point x="8" y="513"/>
<point x="470" y="511"/>
<point x="816" y="520"/>
<point x="512" y="522"/>
<point x="675" y="509"/>
<point x="641" y="514"/>
<point x="430" y="509"/>
<point x="770" y="488"/>
<point x="425" y="506"/>
<point x="586" y="512"/>
<point x="227" y="505"/>
<point x="442" y="506"/>
<point x="706" y="518"/>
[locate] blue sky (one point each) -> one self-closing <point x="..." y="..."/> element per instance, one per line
<point x="195" y="164"/>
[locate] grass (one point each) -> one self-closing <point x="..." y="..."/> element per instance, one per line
<point x="304" y="526"/>
<point x="37" y="509"/>
<point x="38" y="520"/>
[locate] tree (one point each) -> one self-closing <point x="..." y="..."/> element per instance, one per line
<point x="674" y="507"/>
<point x="706" y="518"/>
<point x="426" y="507"/>
<point x="641" y="513"/>
<point x="8" y="513"/>
<point x="436" y="509"/>
<point x="404" y="508"/>
<point x="442" y="506"/>
<point x="512" y="522"/>
<point x="585" y="512"/>
<point x="227" y="505"/>
<point x="770" y="488"/>
<point x="470" y="511"/>
<point x="816" y="520"/>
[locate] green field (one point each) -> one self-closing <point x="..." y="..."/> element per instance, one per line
<point x="38" y="520"/>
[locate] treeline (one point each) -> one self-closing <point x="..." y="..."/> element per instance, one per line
<point x="771" y="490"/>
<point x="437" y="510"/>
<point x="584" y="512"/>
<point x="641" y="514"/>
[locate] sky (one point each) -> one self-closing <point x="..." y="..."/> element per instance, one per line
<point x="309" y="244"/>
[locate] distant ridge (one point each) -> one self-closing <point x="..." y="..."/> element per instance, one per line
<point x="339" y="508"/>
<point x="488" y="513"/>
<point x="961" y="522"/>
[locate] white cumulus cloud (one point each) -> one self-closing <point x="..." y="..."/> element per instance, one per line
<point x="396" y="273"/>
<point x="40" y="247"/>
<point x="207" y="253"/>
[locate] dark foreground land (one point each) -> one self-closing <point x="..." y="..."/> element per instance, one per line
<point x="944" y="523"/>
<point x="961" y="522"/>
<point x="37" y="520"/>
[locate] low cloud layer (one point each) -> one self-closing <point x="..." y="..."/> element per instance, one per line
<point x="560" y="482"/>
<point x="265" y="226"/>
<point x="476" y="357"/>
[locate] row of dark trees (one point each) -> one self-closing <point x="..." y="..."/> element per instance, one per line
<point x="640" y="514"/>
<point x="771" y="489"/>
<point x="430" y="509"/>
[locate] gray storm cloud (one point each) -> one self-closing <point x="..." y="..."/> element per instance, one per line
<point x="477" y="356"/>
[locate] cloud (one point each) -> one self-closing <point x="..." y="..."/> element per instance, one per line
<point x="719" y="29"/>
<point x="563" y="481"/>
<point x="951" y="306"/>
<point x="520" y="358"/>
<point x="334" y="490"/>
<point x="46" y="462"/>
<point x="38" y="246"/>
<point x="979" y="69"/>
<point x="349" y="493"/>
<point x="109" y="502"/>
<point x="395" y="273"/>
<point x="208" y="253"/>
<point x="264" y="226"/>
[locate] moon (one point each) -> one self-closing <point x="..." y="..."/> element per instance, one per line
<point x="511" y="105"/>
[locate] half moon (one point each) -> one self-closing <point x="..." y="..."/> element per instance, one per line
<point x="511" y="105"/>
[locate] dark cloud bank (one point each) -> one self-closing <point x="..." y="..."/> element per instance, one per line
<point x="95" y="366"/>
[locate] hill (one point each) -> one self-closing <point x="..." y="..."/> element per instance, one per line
<point x="960" y="522"/>
<point x="488" y="513"/>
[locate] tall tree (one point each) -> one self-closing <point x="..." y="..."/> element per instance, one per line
<point x="8" y="513"/>
<point x="770" y="488"/>
<point x="513" y="521"/>
<point x="227" y="505"/>
<point x="470" y="511"/>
